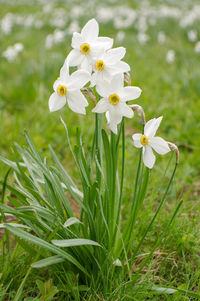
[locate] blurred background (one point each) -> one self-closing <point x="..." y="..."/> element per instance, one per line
<point x="163" y="49"/>
<point x="162" y="39"/>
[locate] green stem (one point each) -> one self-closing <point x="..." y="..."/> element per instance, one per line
<point x="122" y="179"/>
<point x="159" y="239"/>
<point x="157" y="211"/>
<point x="98" y="128"/>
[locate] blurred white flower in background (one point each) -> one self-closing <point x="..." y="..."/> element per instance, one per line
<point x="59" y="18"/>
<point x="191" y="16"/>
<point x="125" y="17"/>
<point x="170" y="56"/>
<point x="142" y="37"/>
<point x="29" y="21"/>
<point x="74" y="26"/>
<point x="12" y="51"/>
<point x="105" y="14"/>
<point x="120" y="36"/>
<point x="7" y="23"/>
<point x="19" y="47"/>
<point x="192" y="35"/>
<point x="77" y="11"/>
<point x="55" y="38"/>
<point x="48" y="7"/>
<point x="197" y="47"/>
<point x="141" y="24"/>
<point x="161" y="37"/>
<point x="38" y="24"/>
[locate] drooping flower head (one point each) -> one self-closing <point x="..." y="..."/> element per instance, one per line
<point x="148" y="141"/>
<point x="114" y="97"/>
<point x="87" y="45"/>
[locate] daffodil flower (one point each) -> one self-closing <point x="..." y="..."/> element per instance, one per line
<point x="87" y="45"/>
<point x="114" y="100"/>
<point x="149" y="142"/>
<point x="108" y="65"/>
<point x="67" y="89"/>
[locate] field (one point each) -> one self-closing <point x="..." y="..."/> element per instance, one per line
<point x="162" y="41"/>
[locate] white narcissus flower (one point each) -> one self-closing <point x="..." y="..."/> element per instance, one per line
<point x="108" y="65"/>
<point x="148" y="141"/>
<point x="67" y="89"/>
<point x="87" y="45"/>
<point x="114" y="100"/>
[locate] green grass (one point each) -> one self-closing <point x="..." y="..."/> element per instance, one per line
<point x="169" y="90"/>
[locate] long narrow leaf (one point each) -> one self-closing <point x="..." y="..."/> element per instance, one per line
<point x="48" y="261"/>
<point x="74" y="242"/>
<point x="45" y="245"/>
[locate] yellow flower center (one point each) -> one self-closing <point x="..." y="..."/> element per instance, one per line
<point x="85" y="48"/>
<point x="114" y="99"/>
<point x="100" y="65"/>
<point x="62" y="90"/>
<point x="144" y="140"/>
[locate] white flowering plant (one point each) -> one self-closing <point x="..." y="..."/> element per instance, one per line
<point x="98" y="243"/>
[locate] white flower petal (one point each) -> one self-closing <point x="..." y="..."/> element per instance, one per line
<point x="129" y="93"/>
<point x="113" y="127"/>
<point x="56" y="102"/>
<point x="78" y="79"/>
<point x="148" y="157"/>
<point x="159" y="145"/>
<point x="77" y="40"/>
<point x="90" y="31"/>
<point x="75" y="58"/>
<point x="112" y="123"/>
<point x="108" y="116"/>
<point x="123" y="66"/>
<point x="102" y="106"/>
<point x="117" y="83"/>
<point x="125" y="110"/>
<point x="77" y="102"/>
<point x="97" y="50"/>
<point x="64" y="71"/>
<point x="106" y="43"/>
<point x="120" y="67"/>
<point x="103" y="88"/>
<point x="86" y="64"/>
<point x="115" y="114"/>
<point x="59" y="81"/>
<point x="93" y="79"/>
<point x="151" y="127"/>
<point x="136" y="140"/>
<point x="114" y="55"/>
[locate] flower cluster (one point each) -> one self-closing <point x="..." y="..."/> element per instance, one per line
<point x="101" y="65"/>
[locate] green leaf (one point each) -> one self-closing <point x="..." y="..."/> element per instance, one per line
<point x="164" y="290"/>
<point x="71" y="221"/>
<point x="45" y="245"/>
<point x="2" y="226"/>
<point x="74" y="242"/>
<point x="48" y="261"/>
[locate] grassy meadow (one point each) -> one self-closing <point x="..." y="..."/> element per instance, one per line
<point x="170" y="84"/>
